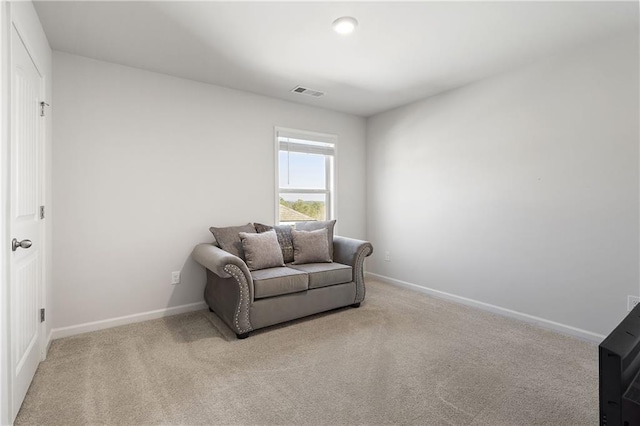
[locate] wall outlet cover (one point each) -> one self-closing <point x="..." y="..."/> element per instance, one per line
<point x="175" y="277"/>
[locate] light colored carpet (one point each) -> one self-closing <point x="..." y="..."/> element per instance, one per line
<point x="402" y="357"/>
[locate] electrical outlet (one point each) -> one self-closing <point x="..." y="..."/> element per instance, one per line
<point x="387" y="256"/>
<point x="632" y="301"/>
<point x="175" y="277"/>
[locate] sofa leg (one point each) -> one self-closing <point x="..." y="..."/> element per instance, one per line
<point x="210" y="310"/>
<point x="356" y="305"/>
<point x="242" y="336"/>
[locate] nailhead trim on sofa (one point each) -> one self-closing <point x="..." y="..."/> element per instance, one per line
<point x="359" y="268"/>
<point x="241" y="317"/>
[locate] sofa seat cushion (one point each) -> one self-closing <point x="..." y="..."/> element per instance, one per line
<point x="325" y="274"/>
<point x="276" y="281"/>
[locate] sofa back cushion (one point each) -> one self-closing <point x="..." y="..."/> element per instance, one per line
<point x="261" y="251"/>
<point x="329" y="225"/>
<point x="310" y="246"/>
<point x="283" y="232"/>
<point x="229" y="239"/>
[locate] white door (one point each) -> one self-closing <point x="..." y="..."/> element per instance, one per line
<point x="25" y="224"/>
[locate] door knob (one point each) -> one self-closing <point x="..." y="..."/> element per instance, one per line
<point x="25" y="244"/>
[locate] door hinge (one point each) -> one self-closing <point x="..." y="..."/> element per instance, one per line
<point x="41" y="212"/>
<point x="42" y="105"/>
<point x="42" y="315"/>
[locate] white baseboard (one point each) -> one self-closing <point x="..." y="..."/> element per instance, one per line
<point x="541" y="322"/>
<point x="57" y="333"/>
<point x="47" y="345"/>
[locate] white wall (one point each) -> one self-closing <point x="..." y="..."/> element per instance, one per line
<point x="519" y="191"/>
<point x="144" y="163"/>
<point x="24" y="17"/>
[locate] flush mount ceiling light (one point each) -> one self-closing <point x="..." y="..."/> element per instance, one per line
<point x="344" y="25"/>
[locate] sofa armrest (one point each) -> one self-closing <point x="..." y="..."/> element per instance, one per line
<point x="346" y="250"/>
<point x="352" y="252"/>
<point x="232" y="302"/>
<point x="215" y="259"/>
<point x="225" y="265"/>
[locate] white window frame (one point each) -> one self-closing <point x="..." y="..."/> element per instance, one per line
<point x="331" y="175"/>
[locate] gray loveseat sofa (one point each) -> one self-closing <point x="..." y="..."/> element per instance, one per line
<point x="248" y="300"/>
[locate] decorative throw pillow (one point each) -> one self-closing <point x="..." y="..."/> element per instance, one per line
<point x="310" y="246"/>
<point x="261" y="250"/>
<point x="312" y="226"/>
<point x="229" y="240"/>
<point x="283" y="232"/>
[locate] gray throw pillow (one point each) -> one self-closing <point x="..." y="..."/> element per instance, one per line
<point x="261" y="250"/>
<point x="283" y="232"/>
<point x="312" y="226"/>
<point x="310" y="246"/>
<point x="229" y="240"/>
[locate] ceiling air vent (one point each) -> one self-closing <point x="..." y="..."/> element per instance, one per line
<point x="307" y="91"/>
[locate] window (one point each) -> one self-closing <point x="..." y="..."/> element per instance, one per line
<point x="306" y="177"/>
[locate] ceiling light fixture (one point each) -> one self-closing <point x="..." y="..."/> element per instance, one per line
<point x="344" y="25"/>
